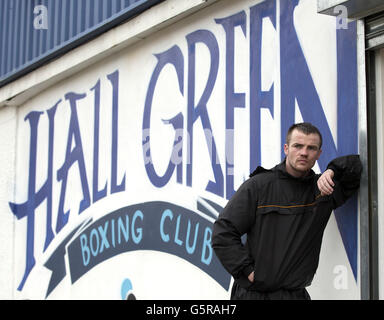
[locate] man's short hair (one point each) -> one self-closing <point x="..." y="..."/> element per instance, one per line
<point x="306" y="128"/>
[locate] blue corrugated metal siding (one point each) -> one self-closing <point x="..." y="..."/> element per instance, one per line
<point x="70" y="23"/>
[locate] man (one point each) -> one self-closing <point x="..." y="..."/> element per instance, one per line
<point x="283" y="212"/>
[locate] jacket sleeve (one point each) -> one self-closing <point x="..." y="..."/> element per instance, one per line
<point x="234" y="221"/>
<point x="347" y="171"/>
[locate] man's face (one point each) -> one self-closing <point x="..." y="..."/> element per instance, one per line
<point x="301" y="153"/>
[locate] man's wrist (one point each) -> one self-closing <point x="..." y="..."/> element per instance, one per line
<point x="248" y="270"/>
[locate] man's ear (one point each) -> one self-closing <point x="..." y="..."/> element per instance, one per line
<point x="318" y="155"/>
<point x="286" y="149"/>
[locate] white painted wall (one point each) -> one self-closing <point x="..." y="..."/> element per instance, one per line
<point x="154" y="274"/>
<point x="8" y="129"/>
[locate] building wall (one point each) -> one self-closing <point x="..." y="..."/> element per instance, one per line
<point x="116" y="173"/>
<point x="8" y="129"/>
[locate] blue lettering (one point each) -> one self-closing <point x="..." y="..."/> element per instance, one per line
<point x="199" y="111"/>
<point x="177" y="240"/>
<point x="232" y="98"/>
<point x="27" y="209"/>
<point x="191" y="249"/>
<point x="49" y="232"/>
<point x="97" y="194"/>
<point x="258" y="99"/>
<point x="166" y="214"/>
<point x="113" y="232"/>
<point x="103" y="235"/>
<point x="122" y="229"/>
<point x="207" y="247"/>
<point x="85" y="253"/>
<point x="137" y="237"/>
<point x="71" y="157"/>
<point x="172" y="56"/>
<point x="94" y="247"/>
<point x="114" y="79"/>
<point x="347" y="133"/>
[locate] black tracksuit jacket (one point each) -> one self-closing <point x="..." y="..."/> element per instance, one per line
<point x="284" y="219"/>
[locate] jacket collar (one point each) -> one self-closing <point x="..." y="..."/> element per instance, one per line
<point x="282" y="172"/>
